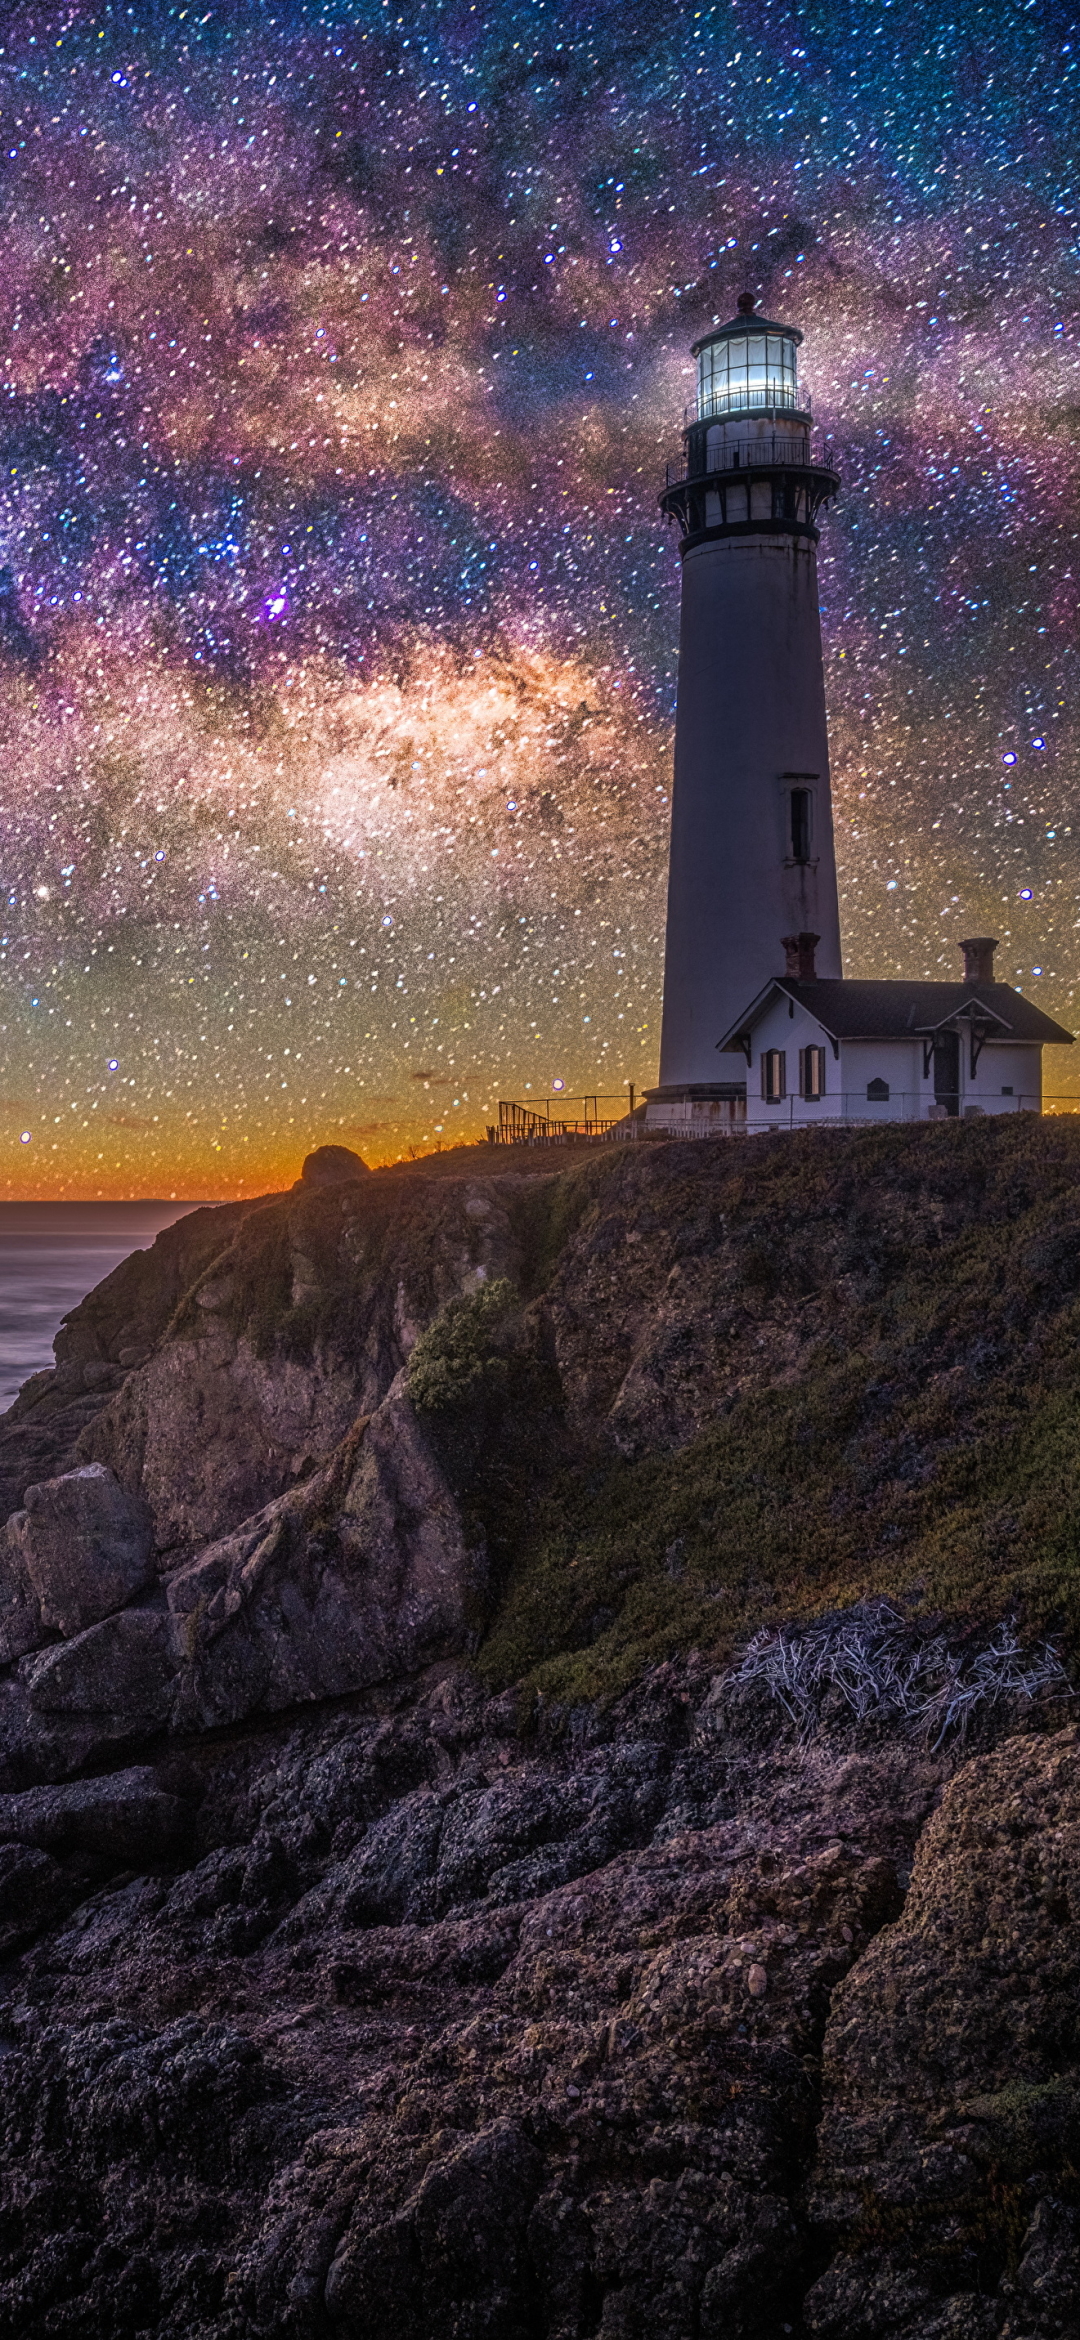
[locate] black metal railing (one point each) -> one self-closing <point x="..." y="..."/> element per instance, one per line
<point x="526" y="1122"/>
<point x="720" y="406"/>
<point x="762" y="454"/>
<point x="847" y="1109"/>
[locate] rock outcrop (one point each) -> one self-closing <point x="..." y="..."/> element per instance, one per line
<point x="100" y="1343"/>
<point x="395" y="2017"/>
<point x="952" y="2069"/>
<point x="361" y="1576"/>
<point x="82" y="1545"/>
<point x="329" y="1165"/>
<point x="434" y="1892"/>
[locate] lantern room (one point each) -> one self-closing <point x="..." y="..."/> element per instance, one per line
<point x="749" y="367"/>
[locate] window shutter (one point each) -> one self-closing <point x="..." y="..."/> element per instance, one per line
<point x="773" y="1075"/>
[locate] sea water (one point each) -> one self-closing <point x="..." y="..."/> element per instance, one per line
<point x="51" y="1256"/>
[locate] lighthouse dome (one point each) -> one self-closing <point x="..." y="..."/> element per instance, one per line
<point x="747" y="367"/>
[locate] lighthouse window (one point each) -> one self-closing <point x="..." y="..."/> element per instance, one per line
<point x="802" y="805"/>
<point x="773" y="1075"/>
<point x="744" y="371"/>
<point x="812" y="1072"/>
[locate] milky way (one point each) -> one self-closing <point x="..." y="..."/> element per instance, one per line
<point x="342" y="352"/>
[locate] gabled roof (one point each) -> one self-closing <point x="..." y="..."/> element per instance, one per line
<point x="902" y="1011"/>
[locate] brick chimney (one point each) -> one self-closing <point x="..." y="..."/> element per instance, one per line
<point x="978" y="959"/>
<point x="799" y="951"/>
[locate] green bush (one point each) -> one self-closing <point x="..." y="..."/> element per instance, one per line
<point x="454" y="1364"/>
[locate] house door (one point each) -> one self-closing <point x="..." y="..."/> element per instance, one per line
<point x="947" y="1071"/>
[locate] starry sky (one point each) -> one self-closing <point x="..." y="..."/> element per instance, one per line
<point x="341" y="352"/>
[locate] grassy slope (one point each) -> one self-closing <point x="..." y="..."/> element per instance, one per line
<point x="918" y="1432"/>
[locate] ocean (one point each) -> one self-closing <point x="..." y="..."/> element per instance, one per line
<point x="51" y="1255"/>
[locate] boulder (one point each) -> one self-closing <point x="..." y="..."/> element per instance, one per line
<point x="21" y="1628"/>
<point x="120" y="1673"/>
<point x="126" y="1816"/>
<point x="85" y="1545"/>
<point x="329" y="1165"/>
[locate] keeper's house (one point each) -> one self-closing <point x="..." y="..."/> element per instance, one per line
<point x="818" y="1049"/>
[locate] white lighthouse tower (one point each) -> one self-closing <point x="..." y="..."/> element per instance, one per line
<point x="751" y="834"/>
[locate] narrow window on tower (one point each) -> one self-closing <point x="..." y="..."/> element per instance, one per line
<point x="773" y="1075"/>
<point x="802" y="806"/>
<point x="811" y="1072"/>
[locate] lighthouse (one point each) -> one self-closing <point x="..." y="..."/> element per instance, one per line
<point x="760" y="1029"/>
<point x="752" y="857"/>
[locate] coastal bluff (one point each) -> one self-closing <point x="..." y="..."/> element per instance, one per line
<point x="539" y="1771"/>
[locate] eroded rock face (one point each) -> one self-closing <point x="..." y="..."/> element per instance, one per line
<point x="433" y="2026"/>
<point x="952" y="2068"/>
<point x="298" y="1325"/>
<point x="118" y="1675"/>
<point x="86" y="1544"/>
<point x="80" y="1549"/>
<point x="404" y="2020"/>
<point x="210" y="1431"/>
<point x="21" y="1628"/>
<point x="127" y="1815"/>
<point x="360" y="1575"/>
<point x="111" y="1332"/>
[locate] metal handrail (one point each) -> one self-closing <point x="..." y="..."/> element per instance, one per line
<point x="529" y="1121"/>
<point x="853" y="1109"/>
<point x="747" y="455"/>
<point x="721" y="405"/>
<point x="548" y="1122"/>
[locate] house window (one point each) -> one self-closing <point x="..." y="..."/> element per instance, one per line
<point x="1007" y="1092"/>
<point x="947" y="1072"/>
<point x="811" y="1072"/>
<point x="878" y="1092"/>
<point x="802" y="806"/>
<point x="773" y="1075"/>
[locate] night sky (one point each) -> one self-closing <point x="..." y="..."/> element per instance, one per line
<point x="342" y="352"/>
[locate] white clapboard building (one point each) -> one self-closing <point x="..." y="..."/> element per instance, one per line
<point x="760" y="1028"/>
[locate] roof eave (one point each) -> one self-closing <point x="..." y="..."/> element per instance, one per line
<point x="967" y="1010"/>
<point x="752" y="1015"/>
<point x="1052" y="1035"/>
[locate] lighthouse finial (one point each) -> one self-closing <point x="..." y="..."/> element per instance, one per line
<point x="747" y="303"/>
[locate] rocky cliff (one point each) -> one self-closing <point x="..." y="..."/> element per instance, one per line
<point x="539" y="1786"/>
